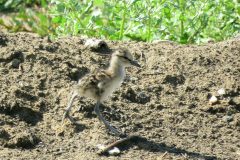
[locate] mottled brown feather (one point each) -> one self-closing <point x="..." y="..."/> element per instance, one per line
<point x="92" y="81"/>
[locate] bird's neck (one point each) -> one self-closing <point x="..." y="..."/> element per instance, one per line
<point x="117" y="68"/>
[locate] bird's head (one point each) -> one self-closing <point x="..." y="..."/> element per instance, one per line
<point x="124" y="58"/>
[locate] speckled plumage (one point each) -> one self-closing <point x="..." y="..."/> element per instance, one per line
<point x="102" y="83"/>
<point x="98" y="85"/>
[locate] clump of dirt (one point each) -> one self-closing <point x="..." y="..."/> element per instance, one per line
<point x="166" y="102"/>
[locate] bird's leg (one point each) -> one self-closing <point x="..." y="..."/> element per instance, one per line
<point x="106" y="123"/>
<point x="68" y="109"/>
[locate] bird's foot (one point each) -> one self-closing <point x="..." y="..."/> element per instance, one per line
<point x="116" y="132"/>
<point x="66" y="115"/>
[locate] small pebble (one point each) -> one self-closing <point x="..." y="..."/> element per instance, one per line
<point x="227" y="118"/>
<point x="221" y="91"/>
<point x="213" y="100"/>
<point x="114" y="151"/>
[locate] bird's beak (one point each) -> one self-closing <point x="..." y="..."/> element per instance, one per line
<point x="135" y="63"/>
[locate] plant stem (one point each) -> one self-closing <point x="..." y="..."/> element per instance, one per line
<point x="149" y="26"/>
<point x="182" y="28"/>
<point x="123" y="22"/>
<point x="149" y="20"/>
<point x="181" y="3"/>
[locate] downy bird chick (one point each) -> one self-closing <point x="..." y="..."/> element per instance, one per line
<point x="101" y="84"/>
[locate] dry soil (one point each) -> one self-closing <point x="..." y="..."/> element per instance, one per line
<point x="165" y="102"/>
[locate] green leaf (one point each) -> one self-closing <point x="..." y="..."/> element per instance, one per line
<point x="57" y="19"/>
<point x="167" y="12"/>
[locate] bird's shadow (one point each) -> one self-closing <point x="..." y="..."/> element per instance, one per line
<point x="149" y="145"/>
<point x="79" y="127"/>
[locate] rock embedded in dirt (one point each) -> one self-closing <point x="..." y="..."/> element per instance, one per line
<point x="221" y="91"/>
<point x="16" y="63"/>
<point x="213" y="100"/>
<point x="97" y="45"/>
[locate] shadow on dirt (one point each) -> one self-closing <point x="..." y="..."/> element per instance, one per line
<point x="23" y="113"/>
<point x="79" y="128"/>
<point x="149" y="145"/>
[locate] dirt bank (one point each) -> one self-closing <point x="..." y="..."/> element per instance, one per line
<point x="165" y="102"/>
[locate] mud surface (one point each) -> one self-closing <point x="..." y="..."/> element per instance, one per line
<point x="166" y="102"/>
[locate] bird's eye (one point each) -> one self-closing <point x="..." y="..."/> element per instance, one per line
<point x="126" y="58"/>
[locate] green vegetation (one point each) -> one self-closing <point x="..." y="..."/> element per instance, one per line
<point x="13" y="5"/>
<point x="26" y="15"/>
<point x="193" y="21"/>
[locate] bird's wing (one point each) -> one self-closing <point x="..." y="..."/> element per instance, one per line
<point x="97" y="79"/>
<point x="102" y="78"/>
